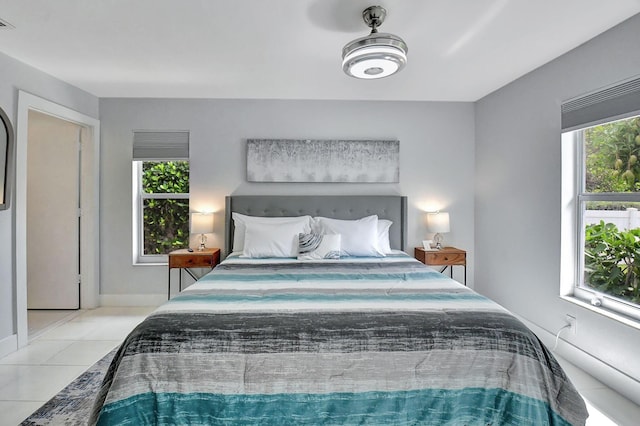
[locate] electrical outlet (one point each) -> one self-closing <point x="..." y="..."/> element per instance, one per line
<point x="572" y="322"/>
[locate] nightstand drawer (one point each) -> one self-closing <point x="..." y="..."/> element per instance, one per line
<point x="192" y="261"/>
<point x="439" y="258"/>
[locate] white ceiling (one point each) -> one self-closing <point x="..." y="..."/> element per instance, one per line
<point x="459" y="50"/>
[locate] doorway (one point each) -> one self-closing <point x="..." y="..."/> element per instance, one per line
<point x="53" y="220"/>
<point x="89" y="203"/>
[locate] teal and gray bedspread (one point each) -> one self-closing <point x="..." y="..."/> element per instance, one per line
<point x="347" y="342"/>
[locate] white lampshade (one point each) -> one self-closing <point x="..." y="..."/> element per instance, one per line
<point x="438" y="222"/>
<point x="201" y="223"/>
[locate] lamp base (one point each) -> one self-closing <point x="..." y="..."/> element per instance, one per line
<point x="203" y="239"/>
<point x="438" y="239"/>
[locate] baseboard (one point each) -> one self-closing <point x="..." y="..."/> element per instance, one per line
<point x="132" y="299"/>
<point x="8" y="345"/>
<point x="622" y="383"/>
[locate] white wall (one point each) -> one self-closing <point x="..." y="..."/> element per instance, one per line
<point x="18" y="76"/>
<point x="518" y="177"/>
<point x="436" y="164"/>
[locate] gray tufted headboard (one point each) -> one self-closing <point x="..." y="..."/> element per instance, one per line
<point x="391" y="207"/>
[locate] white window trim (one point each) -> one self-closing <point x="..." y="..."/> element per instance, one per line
<point x="569" y="217"/>
<point x="139" y="258"/>
<point x="572" y="235"/>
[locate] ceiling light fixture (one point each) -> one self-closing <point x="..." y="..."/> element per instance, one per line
<point x="376" y="55"/>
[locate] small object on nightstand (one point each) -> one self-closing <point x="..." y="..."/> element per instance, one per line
<point x="188" y="258"/>
<point x="426" y="244"/>
<point x="447" y="257"/>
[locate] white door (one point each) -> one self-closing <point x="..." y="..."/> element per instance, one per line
<point x="53" y="188"/>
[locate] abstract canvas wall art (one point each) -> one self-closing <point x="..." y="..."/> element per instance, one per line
<point x="292" y="160"/>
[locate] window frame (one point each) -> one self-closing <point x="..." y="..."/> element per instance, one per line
<point x="139" y="197"/>
<point x="598" y="300"/>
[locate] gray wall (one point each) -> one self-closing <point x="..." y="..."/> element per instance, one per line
<point x="518" y="177"/>
<point x="436" y="163"/>
<point x="18" y="76"/>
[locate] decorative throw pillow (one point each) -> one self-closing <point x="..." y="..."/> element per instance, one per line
<point x="318" y="246"/>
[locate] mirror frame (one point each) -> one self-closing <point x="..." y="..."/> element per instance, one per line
<point x="6" y="152"/>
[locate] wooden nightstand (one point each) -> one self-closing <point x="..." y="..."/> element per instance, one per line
<point x="448" y="257"/>
<point x="185" y="259"/>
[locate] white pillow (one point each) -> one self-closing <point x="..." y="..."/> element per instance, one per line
<point x="383" y="236"/>
<point x="240" y="221"/>
<point x="318" y="246"/>
<point x="272" y="239"/>
<point x="358" y="237"/>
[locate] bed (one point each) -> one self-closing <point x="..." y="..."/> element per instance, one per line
<point x="337" y="340"/>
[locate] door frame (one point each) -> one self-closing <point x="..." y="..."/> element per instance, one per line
<point x="89" y="204"/>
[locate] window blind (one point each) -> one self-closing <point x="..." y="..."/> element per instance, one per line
<point x="617" y="101"/>
<point x="160" y="145"/>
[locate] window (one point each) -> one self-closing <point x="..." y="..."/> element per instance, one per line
<point x="161" y="195"/>
<point x="608" y="200"/>
<point x="164" y="208"/>
<point x="601" y="195"/>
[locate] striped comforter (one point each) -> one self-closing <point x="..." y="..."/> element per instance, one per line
<point x="355" y="341"/>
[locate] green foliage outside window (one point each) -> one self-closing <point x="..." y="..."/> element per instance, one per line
<point x="612" y="152"/>
<point x="166" y="220"/>
<point x="612" y="260"/>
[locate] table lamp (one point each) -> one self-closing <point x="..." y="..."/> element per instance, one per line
<point x="438" y="223"/>
<point x="202" y="223"/>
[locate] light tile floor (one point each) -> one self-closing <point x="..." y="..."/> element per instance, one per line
<point x="606" y="406"/>
<point x="64" y="346"/>
<point x="32" y="375"/>
<point x="41" y="320"/>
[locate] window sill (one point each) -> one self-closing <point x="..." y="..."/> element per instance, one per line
<point x="603" y="311"/>
<point x="150" y="263"/>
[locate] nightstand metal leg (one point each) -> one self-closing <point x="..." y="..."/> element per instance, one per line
<point x="169" y="285"/>
<point x="450" y="267"/>
<point x="191" y="273"/>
